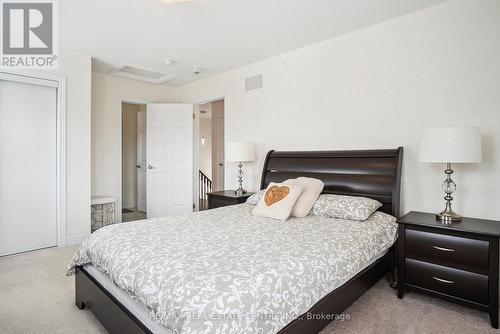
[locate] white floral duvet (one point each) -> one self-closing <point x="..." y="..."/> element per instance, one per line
<point x="226" y="271"/>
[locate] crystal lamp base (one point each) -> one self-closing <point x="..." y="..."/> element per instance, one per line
<point x="448" y="215"/>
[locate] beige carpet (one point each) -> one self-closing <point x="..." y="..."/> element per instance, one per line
<point x="36" y="297"/>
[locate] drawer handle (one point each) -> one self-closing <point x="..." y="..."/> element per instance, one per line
<point x="443" y="249"/>
<point x="443" y="280"/>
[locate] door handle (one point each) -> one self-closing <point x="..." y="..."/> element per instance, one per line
<point x="150" y="167"/>
<point x="443" y="249"/>
<point x="220" y="164"/>
<point x="442" y="280"/>
<point x="137" y="166"/>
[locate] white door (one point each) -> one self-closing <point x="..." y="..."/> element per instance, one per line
<point x="141" y="161"/>
<point x="169" y="159"/>
<point x="28" y="163"/>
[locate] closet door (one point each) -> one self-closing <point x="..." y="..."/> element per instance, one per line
<point x="28" y="204"/>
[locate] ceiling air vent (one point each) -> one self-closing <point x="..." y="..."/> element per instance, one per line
<point x="136" y="73"/>
<point x="254" y="82"/>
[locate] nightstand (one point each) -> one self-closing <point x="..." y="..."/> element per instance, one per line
<point x="219" y="199"/>
<point x="456" y="262"/>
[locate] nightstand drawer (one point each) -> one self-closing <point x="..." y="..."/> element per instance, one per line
<point x="447" y="249"/>
<point x="453" y="282"/>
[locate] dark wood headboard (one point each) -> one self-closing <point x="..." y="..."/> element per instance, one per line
<point x="370" y="173"/>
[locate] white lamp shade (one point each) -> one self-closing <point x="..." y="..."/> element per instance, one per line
<point x="240" y="151"/>
<point x="451" y="144"/>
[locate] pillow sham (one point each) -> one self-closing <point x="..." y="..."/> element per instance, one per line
<point x="255" y="198"/>
<point x="345" y="207"/>
<point x="312" y="189"/>
<point x="278" y="200"/>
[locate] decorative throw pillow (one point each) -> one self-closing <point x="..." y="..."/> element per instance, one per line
<point x="255" y="198"/>
<point x="345" y="207"/>
<point x="306" y="200"/>
<point x="278" y="200"/>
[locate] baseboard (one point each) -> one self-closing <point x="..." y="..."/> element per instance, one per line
<point x="76" y="240"/>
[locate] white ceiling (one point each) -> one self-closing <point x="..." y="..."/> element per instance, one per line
<point x="217" y="35"/>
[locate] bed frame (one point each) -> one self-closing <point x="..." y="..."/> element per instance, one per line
<point x="370" y="173"/>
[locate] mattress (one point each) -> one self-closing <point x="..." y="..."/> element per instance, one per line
<point x="136" y="308"/>
<point x="139" y="310"/>
<point x="225" y="270"/>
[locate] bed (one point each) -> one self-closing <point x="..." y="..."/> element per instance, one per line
<point x="307" y="270"/>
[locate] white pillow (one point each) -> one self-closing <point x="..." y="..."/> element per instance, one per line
<point x="312" y="190"/>
<point x="278" y="200"/>
<point x="345" y="207"/>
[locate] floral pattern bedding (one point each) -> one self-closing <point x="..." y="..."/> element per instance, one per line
<point x="226" y="271"/>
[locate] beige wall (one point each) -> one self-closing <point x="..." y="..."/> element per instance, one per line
<point x="217" y="145"/>
<point x="129" y="154"/>
<point x="205" y="151"/>
<point x="107" y="94"/>
<point x="378" y="88"/>
<point x="77" y="68"/>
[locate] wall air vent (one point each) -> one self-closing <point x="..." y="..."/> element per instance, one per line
<point x="254" y="82"/>
<point x="137" y="73"/>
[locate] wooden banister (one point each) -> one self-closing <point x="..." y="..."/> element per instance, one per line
<point x="205" y="185"/>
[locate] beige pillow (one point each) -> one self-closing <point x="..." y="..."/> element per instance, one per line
<point x="255" y="198"/>
<point x="312" y="190"/>
<point x="278" y="200"/>
<point x="345" y="207"/>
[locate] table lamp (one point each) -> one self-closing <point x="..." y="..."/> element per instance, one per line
<point x="240" y="152"/>
<point x="450" y="145"/>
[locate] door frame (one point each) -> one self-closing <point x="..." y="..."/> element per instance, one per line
<point x="58" y="82"/>
<point x="118" y="171"/>
<point x="119" y="140"/>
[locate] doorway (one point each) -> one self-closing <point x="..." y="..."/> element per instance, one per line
<point x="156" y="159"/>
<point x="133" y="161"/>
<point x="210" y="150"/>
